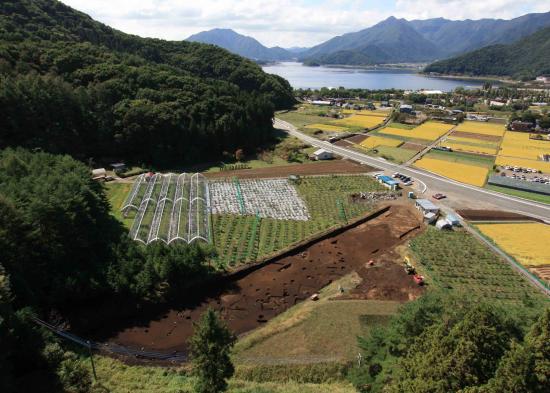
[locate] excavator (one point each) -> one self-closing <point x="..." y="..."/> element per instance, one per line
<point x="409" y="269"/>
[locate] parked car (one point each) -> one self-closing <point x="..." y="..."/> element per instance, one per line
<point x="439" y="196"/>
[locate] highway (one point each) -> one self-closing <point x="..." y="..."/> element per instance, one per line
<point x="460" y="195"/>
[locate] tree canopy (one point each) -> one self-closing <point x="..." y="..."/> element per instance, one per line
<point x="69" y="84"/>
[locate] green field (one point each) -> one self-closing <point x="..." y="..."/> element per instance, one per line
<point x="462" y="158"/>
<point x="458" y="262"/>
<point x="313" y="332"/>
<point x="237" y="242"/>
<point x="117" y="377"/>
<point x="116" y="194"/>
<point x="521" y="194"/>
<point x="398" y="155"/>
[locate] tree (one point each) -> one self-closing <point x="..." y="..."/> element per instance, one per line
<point x="210" y="349"/>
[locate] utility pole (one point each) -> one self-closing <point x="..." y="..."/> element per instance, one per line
<point x="92" y="359"/>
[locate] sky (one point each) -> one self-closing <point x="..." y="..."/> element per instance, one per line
<point x="286" y="23"/>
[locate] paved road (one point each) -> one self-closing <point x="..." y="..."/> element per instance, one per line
<point x="466" y="195"/>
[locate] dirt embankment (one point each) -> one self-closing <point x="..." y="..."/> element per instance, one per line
<point x="493" y="215"/>
<point x="317" y="168"/>
<point x="261" y="295"/>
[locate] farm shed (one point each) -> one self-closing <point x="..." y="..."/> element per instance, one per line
<point x="99" y="174"/>
<point x="453" y="220"/>
<point x="118" y="166"/>
<point x="406" y="109"/>
<point x="426" y="206"/>
<point x="322" y="154"/>
<point x="443" y="224"/>
<point x="321" y="103"/>
<point x="388" y="182"/>
<point x="430" y="217"/>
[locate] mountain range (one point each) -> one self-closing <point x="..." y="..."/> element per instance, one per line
<point x="390" y="41"/>
<point x="399" y="41"/>
<point x="243" y="45"/>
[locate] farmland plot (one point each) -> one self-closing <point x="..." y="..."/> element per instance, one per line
<point x="269" y="198"/>
<point x="469" y="174"/>
<point x="168" y="208"/>
<point x="457" y="262"/>
<point x="528" y="243"/>
<point x="428" y="131"/>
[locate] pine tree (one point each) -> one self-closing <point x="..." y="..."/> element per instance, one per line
<point x="210" y="349"/>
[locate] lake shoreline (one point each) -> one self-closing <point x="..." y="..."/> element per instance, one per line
<point x="301" y="76"/>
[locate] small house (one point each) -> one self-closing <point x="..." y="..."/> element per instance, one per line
<point x="543" y="78"/>
<point x="322" y="154"/>
<point x="321" y="103"/>
<point x="118" y="166"/>
<point x="99" y="174"/>
<point x="521" y="126"/>
<point x="406" y="108"/>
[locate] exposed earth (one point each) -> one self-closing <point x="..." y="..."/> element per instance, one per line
<point x="257" y="297"/>
<point x="318" y="168"/>
<point x="493" y="215"/>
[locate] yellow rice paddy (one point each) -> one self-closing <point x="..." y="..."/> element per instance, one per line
<point x="374" y="141"/>
<point x="469" y="174"/>
<point x="526" y="242"/>
<point x="364" y="121"/>
<point x="366" y="113"/>
<point x="517" y="149"/>
<point x="428" y="131"/>
<point x="325" y="127"/>
<point x="518" y="144"/>
<point x="478" y="127"/>
<point x="542" y="166"/>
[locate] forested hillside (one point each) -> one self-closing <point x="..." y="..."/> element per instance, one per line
<point x="524" y="59"/>
<point x="60" y="249"/>
<point x="73" y="85"/>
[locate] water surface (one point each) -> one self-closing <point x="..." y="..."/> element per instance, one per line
<point x="302" y="77"/>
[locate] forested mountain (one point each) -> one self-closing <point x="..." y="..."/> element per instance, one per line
<point x="459" y="36"/>
<point x="392" y="40"/>
<point x="240" y="44"/>
<point x="73" y="85"/>
<point x="399" y="40"/>
<point x="524" y="59"/>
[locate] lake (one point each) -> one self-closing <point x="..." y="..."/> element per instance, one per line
<point x="304" y="77"/>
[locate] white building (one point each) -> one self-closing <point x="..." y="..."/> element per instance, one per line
<point x="99" y="174"/>
<point x="321" y="103"/>
<point x="543" y="78"/>
<point x="322" y="154"/>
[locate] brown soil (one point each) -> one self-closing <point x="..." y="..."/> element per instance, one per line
<point x="493" y="215"/>
<point x="318" y="168"/>
<point x="542" y="271"/>
<point x="257" y="297"/>
<point x="481" y="137"/>
<point x="412" y="146"/>
<point x="357" y="138"/>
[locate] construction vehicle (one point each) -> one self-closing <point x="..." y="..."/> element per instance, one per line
<point x="409" y="268"/>
<point x="418" y="279"/>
